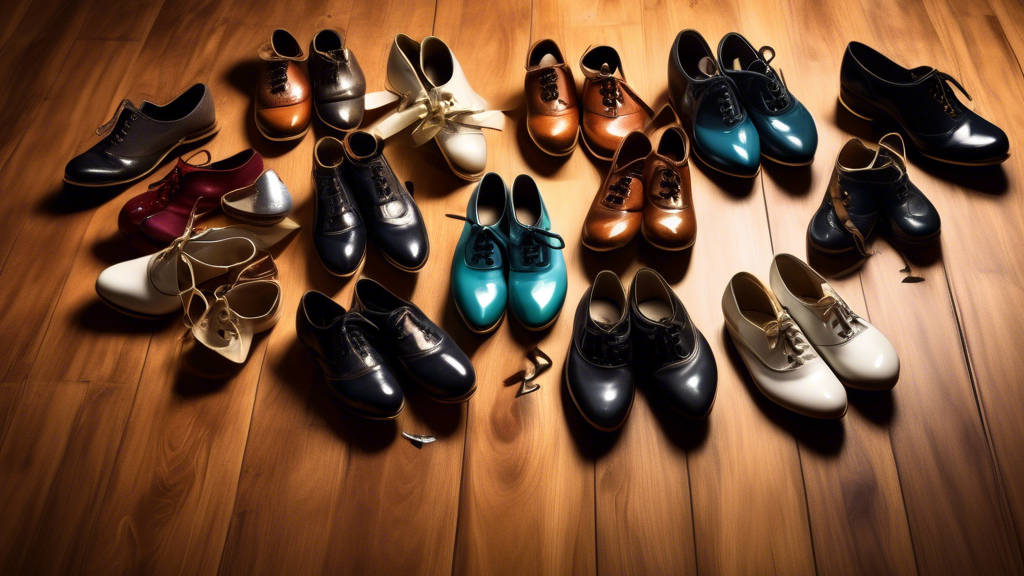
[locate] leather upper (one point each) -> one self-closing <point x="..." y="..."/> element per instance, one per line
<point x="478" y="273"/>
<point x="339" y="86"/>
<point x="669" y="220"/>
<point x="138" y="138"/>
<point x="923" y="102"/>
<point x="393" y="219"/>
<point x="537" y="276"/>
<point x="339" y="235"/>
<point x="283" y="93"/>
<point x="552" y="109"/>
<point x="616" y="213"/>
<point x="611" y="108"/>
<point x="430" y="356"/>
<point x="356" y="372"/>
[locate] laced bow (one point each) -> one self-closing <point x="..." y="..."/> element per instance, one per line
<point x="831" y="305"/>
<point x="783" y="332"/>
<point x="434" y="111"/>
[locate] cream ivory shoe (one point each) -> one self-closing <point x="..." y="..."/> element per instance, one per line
<point x="857" y="352"/>
<point x="782" y="363"/>
<point x="152" y="286"/>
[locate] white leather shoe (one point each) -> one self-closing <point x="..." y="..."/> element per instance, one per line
<point x="782" y="363"/>
<point x="151" y="286"/>
<point x="860" y="355"/>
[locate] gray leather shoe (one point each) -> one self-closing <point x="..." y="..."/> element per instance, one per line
<point x="138" y="138"/>
<point x="339" y="87"/>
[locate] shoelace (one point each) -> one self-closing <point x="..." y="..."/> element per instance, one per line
<point x="486" y="242"/>
<point x="407" y="316"/>
<point x="610" y="91"/>
<point x="532" y="243"/>
<point x="777" y="96"/>
<point x="549" y="86"/>
<point x="380" y="181"/>
<point x="618" y="191"/>
<point x="667" y="341"/>
<point x="832" y="309"/>
<point x="727" y="106"/>
<point x="670" y="185"/>
<point x="939" y="91"/>
<point x="358" y="341"/>
<point x="279" y="76"/>
<point x="613" y="347"/>
<point x="335" y="58"/>
<point x="335" y="203"/>
<point x="783" y="331"/>
<point x="169" y="187"/>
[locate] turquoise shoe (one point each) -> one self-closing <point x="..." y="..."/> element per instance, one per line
<point x="536" y="268"/>
<point x="478" y="267"/>
<point x="786" y="130"/>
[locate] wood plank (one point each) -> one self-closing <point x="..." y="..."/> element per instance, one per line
<point x="854" y="497"/>
<point x="356" y="498"/>
<point x="749" y="507"/>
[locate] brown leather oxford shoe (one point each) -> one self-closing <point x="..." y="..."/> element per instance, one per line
<point x="552" y="111"/>
<point x="283" y="95"/>
<point x="669" y="221"/>
<point x="611" y="108"/>
<point x="616" y="214"/>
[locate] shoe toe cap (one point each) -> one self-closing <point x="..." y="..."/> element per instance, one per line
<point x="446" y="374"/>
<point x="481" y="296"/>
<point x="284" y="122"/>
<point x="375" y="394"/>
<point x="467" y="153"/>
<point x="342" y="115"/>
<point x="690" y="388"/>
<point x="736" y="151"/>
<point x="96" y="168"/>
<point x="127" y="286"/>
<point x="536" y="299"/>
<point x="812" y="390"/>
<point x="603" y="395"/>
<point x="555" y="135"/>
<point x="341" y="253"/>
<point x="868" y="362"/>
<point x="825" y="235"/>
<point x="791" y="138"/>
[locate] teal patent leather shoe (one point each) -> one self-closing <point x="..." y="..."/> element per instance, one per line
<point x="478" y="276"/>
<point x="536" y="269"/>
<point x="706" y="104"/>
<point x="785" y="127"/>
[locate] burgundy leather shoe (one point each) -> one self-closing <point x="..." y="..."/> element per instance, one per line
<point x="162" y="211"/>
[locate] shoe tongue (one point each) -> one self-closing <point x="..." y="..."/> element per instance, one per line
<point x="706" y="67"/>
<point x="548" y="60"/>
<point x="605" y="70"/>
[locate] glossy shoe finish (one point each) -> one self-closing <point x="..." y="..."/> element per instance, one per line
<point x="284" y="101"/>
<point x="552" y="110"/>
<point x="430" y="356"/>
<point x="138" y="138"/>
<point x="616" y="213"/>
<point x="339" y="235"/>
<point x="669" y="221"/>
<point x="183" y="188"/>
<point x="922" y="102"/>
<point x="597" y="370"/>
<point x="479" y="265"/>
<point x="339" y="87"/>
<point x="903" y="208"/>
<point x="859" y="354"/>
<point x="611" y="108"/>
<point x="266" y="202"/>
<point x="671" y="357"/>
<point x="537" y="278"/>
<point x="707" y="105"/>
<point x="392" y="218"/>
<point x="781" y="362"/>
<point x="786" y="129"/>
<point x="357" y="375"/>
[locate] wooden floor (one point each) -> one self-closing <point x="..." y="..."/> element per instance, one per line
<point x="114" y="462"/>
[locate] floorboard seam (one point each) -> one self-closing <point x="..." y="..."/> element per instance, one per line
<point x="807" y="505"/>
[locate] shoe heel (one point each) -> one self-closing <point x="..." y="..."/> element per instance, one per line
<point x="857" y="105"/>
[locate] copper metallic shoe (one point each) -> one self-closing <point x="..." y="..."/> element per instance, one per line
<point x="611" y="109"/>
<point x="283" y="96"/>
<point x="616" y="214"/>
<point x="552" y="111"/>
<point x="669" y="221"/>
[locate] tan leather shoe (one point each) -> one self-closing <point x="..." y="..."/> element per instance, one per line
<point x="552" y="111"/>
<point x="615" y="216"/>
<point x="283" y="95"/>
<point x="611" y="109"/>
<point x="669" y="221"/>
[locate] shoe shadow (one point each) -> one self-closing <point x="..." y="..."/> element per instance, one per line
<point x="793" y="180"/>
<point x="671" y="265"/>
<point x="684" y="433"/>
<point x="68" y="199"/>
<point x="835" y="265"/>
<point x="735" y="186"/>
<point x="443" y="420"/>
<point x="825" y="437"/>
<point x="590" y="442"/>
<point x="618" y="260"/>
<point x="878" y="407"/>
<point x="452" y="323"/>
<point x="97" y="317"/>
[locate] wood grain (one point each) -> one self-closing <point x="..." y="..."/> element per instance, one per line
<point x="113" y="460"/>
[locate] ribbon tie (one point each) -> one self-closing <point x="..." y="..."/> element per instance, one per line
<point x="831" y="305"/>
<point x="434" y="111"/>
<point x="783" y="331"/>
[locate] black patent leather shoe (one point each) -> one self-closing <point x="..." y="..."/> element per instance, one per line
<point x="597" y="370"/>
<point x="671" y="356"/>
<point x="138" y="138"/>
<point x="392" y="218"/>
<point x="339" y="236"/>
<point x="922" y="102"/>
<point x="356" y="373"/>
<point x="430" y="356"/>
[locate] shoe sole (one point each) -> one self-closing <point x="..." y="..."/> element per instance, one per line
<point x="187" y="140"/>
<point x="643" y="232"/>
<point x="862" y="116"/>
<point x="572" y="148"/>
<point x="482" y="332"/>
<point x="591" y="150"/>
<point x="540" y="328"/>
<point x="565" y="372"/>
<point x="403" y="268"/>
<point x="793" y="164"/>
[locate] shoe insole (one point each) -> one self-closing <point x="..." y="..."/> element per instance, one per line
<point x="759" y="319"/>
<point x="605" y="311"/>
<point x="526" y="215"/>
<point x="488" y="215"/>
<point x="548" y="60"/>
<point x="657" y="310"/>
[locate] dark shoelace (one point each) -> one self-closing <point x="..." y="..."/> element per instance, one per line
<point x="549" y="86"/>
<point x="613" y="347"/>
<point x="169" y="187"/>
<point x="611" y="93"/>
<point x="380" y="181"/>
<point x="727" y="105"/>
<point x="532" y="243"/>
<point x="618" y="191"/>
<point x="335" y="203"/>
<point x="279" y="76"/>
<point x="335" y="58"/>
<point x="667" y="341"/>
<point x="486" y="242"/>
<point x="670" y="185"/>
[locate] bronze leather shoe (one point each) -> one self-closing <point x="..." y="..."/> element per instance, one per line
<point x="283" y="95"/>
<point x="611" y="109"/>
<point x="616" y="214"/>
<point x="669" y="221"/>
<point x="552" y="111"/>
